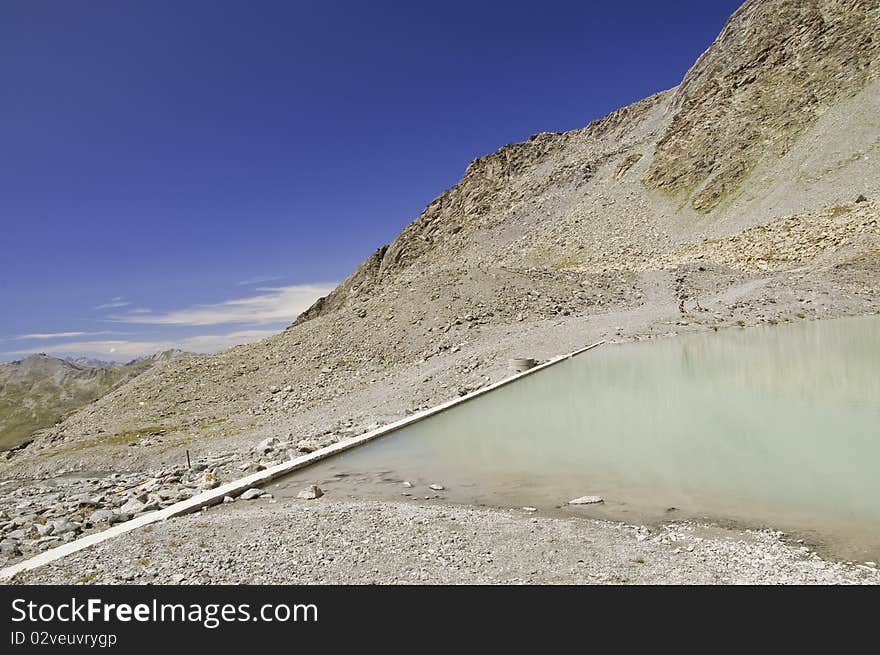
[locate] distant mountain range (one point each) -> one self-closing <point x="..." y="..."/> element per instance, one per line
<point x="38" y="391"/>
<point x="163" y="356"/>
<point x="90" y="361"/>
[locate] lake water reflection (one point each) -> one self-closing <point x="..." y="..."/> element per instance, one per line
<point x="773" y="426"/>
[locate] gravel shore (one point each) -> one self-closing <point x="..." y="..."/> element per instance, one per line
<point x="334" y="542"/>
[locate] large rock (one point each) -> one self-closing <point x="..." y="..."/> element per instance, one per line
<point x="133" y="506"/>
<point x="251" y="494"/>
<point x="311" y="492"/>
<point x="209" y="481"/>
<point x="153" y="502"/>
<point x="586" y="500"/>
<point x="103" y="515"/>
<point x="9" y="548"/>
<point x="267" y="445"/>
<point x="43" y="529"/>
<point x="314" y="443"/>
<point x="63" y="527"/>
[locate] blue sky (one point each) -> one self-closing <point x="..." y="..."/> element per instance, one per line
<point x="194" y="174"/>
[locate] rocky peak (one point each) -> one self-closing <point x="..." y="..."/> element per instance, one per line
<point x="772" y="71"/>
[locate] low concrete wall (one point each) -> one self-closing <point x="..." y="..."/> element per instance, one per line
<point x="236" y="487"/>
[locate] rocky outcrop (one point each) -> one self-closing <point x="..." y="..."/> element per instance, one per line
<point x="789" y="242"/>
<point x="361" y="281"/>
<point x="486" y="191"/>
<point x="776" y="66"/>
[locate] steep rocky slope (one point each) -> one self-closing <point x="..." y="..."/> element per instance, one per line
<point x="773" y="71"/>
<point x="739" y="186"/>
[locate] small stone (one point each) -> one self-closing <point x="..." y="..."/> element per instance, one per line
<point x="267" y="445"/>
<point x="102" y="515"/>
<point x="530" y="509"/>
<point x="586" y="500"/>
<point x="436" y="487"/>
<point x="313" y="444"/>
<point x="310" y="493"/>
<point x="228" y="499"/>
<point x="64" y="527"/>
<point x="8" y="548"/>
<point x="209" y="481"/>
<point x="407" y="484"/>
<point x="251" y="493"/>
<point x="43" y="530"/>
<point x="133" y="506"/>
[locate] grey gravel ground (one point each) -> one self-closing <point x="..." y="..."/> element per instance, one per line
<point x="331" y="542"/>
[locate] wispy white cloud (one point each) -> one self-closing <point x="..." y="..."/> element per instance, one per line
<point x="51" y="335"/>
<point x="122" y="350"/>
<point x="259" y="279"/>
<point x="60" y="335"/>
<point x="272" y="305"/>
<point x="257" y="316"/>
<point x="115" y="303"/>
